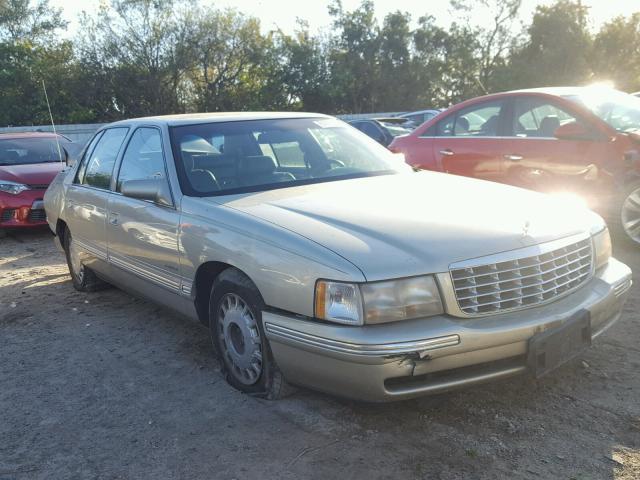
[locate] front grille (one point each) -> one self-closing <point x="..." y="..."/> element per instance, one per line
<point x="522" y="282"/>
<point x="7" y="214"/>
<point x="37" y="216"/>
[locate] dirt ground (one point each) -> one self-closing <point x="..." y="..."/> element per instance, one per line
<point x="107" y="386"/>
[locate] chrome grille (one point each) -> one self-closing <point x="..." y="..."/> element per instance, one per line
<point x="522" y="282"/>
<point x="37" y="215"/>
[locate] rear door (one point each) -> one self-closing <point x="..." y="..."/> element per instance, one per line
<point x="536" y="159"/>
<point x="470" y="142"/>
<point x="86" y="198"/>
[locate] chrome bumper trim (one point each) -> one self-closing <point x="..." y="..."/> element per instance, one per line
<point x="385" y="349"/>
<point x="622" y="287"/>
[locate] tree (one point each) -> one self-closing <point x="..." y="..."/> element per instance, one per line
<point x="557" y="50"/>
<point x="616" y="52"/>
<point x="492" y="43"/>
<point x="27" y="21"/>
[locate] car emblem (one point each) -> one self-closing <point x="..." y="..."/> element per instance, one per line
<point x="525" y="229"/>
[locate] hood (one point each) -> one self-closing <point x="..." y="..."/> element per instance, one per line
<point x="31" y="174"/>
<point x="410" y="224"/>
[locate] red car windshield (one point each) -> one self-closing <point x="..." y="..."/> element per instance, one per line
<point x="21" y="151"/>
<point x="618" y="109"/>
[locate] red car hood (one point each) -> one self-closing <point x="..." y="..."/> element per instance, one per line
<point x="31" y="174"/>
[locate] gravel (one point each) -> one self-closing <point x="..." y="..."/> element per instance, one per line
<point x="105" y="385"/>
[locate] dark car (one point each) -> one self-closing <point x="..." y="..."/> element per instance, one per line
<point x="579" y="140"/>
<point x="382" y="130"/>
<point x="28" y="164"/>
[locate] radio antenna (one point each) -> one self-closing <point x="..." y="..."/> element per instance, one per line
<point x="53" y="125"/>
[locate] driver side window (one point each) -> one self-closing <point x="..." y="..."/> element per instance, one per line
<point x="143" y="158"/>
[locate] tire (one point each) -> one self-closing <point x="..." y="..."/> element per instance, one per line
<point x="83" y="278"/>
<point x="237" y="335"/>
<point x="624" y="218"/>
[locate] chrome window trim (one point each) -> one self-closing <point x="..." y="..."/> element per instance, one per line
<point x="450" y="302"/>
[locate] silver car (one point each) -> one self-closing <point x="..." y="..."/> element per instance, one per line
<point x="318" y="258"/>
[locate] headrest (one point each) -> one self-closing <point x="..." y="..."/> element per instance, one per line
<point x="549" y="125"/>
<point x="257" y="164"/>
<point x="462" y="125"/>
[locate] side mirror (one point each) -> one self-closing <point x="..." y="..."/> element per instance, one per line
<point x="572" y="131"/>
<point x="152" y="189"/>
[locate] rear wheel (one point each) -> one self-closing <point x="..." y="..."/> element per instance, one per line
<point x="235" y="321"/>
<point x="83" y="278"/>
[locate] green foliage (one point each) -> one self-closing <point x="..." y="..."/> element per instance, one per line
<point x="150" y="57"/>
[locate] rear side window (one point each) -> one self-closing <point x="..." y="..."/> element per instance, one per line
<point x="481" y="120"/>
<point x="540" y="118"/>
<point x="98" y="164"/>
<point x="143" y="158"/>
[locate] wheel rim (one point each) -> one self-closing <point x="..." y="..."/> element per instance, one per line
<point x="77" y="268"/>
<point x="631" y="215"/>
<point x="240" y="339"/>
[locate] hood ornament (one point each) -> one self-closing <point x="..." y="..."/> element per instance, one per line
<point x="525" y="229"/>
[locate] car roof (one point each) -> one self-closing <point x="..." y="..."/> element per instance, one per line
<point x="16" y="135"/>
<point x="198" y="118"/>
<point x="418" y="112"/>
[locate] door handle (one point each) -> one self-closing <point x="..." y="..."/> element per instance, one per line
<point x="513" y="157"/>
<point x="446" y="152"/>
<point x="113" y="218"/>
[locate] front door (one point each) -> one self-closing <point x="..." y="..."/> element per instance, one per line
<point x="469" y="142"/>
<point x="536" y="159"/>
<point x="142" y="235"/>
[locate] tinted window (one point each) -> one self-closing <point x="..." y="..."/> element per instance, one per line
<point x="535" y="117"/>
<point x="477" y="121"/>
<point x="20" y="151"/>
<point x="100" y="162"/>
<point x="265" y="154"/>
<point x="143" y="158"/>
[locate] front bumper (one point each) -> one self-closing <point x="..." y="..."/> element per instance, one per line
<point x="418" y="357"/>
<point x="23" y="210"/>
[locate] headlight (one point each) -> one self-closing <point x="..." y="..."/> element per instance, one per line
<point x="401" y="299"/>
<point x="377" y="302"/>
<point x="338" y="302"/>
<point x="12" y="187"/>
<point x="602" y="247"/>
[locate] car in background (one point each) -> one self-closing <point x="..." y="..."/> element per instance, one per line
<point x="318" y="257"/>
<point x="582" y="141"/>
<point x="28" y="164"/>
<point x="415" y="119"/>
<point x="382" y="130"/>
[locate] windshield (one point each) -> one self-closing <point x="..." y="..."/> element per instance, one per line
<point x="234" y="157"/>
<point x="21" y="151"/>
<point x="618" y="109"/>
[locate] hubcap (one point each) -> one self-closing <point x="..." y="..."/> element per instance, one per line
<point x="240" y="339"/>
<point x="76" y="263"/>
<point x="631" y="215"/>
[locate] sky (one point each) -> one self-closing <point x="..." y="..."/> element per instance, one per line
<point x="283" y="13"/>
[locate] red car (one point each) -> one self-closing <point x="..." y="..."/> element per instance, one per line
<point x="578" y="140"/>
<point x="28" y="164"/>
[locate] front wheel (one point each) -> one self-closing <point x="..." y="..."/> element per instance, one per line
<point x="235" y="323"/>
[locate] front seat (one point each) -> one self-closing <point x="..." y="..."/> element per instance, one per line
<point x="260" y="170"/>
<point x="548" y="126"/>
